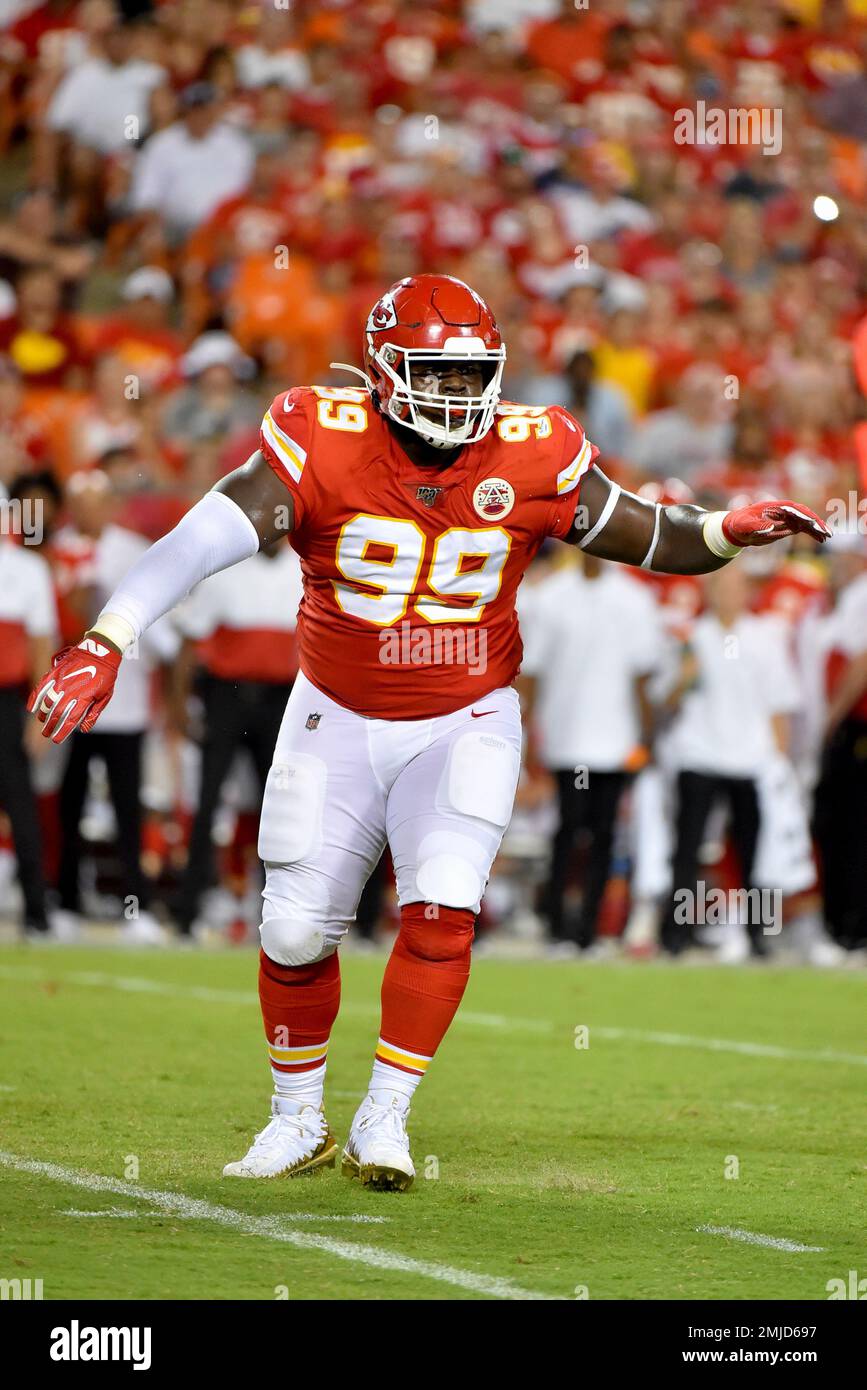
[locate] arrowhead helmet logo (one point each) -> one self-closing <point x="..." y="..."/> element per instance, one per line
<point x="382" y="315"/>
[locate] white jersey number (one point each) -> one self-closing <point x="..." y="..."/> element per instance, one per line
<point x="386" y="555"/>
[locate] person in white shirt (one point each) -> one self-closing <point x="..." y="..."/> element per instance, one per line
<point x="592" y="641"/>
<point x="736" y="687"/>
<point x="28" y="628"/>
<point x="119" y="739"/>
<point x="185" y="172"/>
<point x="239" y="627"/>
<point x="275" y="57"/>
<point x="101" y="108"/>
<point x="103" y="102"/>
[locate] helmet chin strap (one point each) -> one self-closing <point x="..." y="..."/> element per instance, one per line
<point x="432" y="442"/>
<point x="436" y="443"/>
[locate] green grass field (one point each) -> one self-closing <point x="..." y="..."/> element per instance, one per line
<point x="133" y="1077"/>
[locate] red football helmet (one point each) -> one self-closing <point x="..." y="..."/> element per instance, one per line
<point x="429" y="320"/>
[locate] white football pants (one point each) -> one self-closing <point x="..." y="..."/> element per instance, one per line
<point x="438" y="791"/>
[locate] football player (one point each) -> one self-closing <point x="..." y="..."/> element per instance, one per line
<point x="416" y="501"/>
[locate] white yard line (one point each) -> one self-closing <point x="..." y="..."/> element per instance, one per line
<point x="750" y="1238"/>
<point x="747" y="1049"/>
<point x="108" y="1211"/>
<point x="291" y="1216"/>
<point x="274" y="1228"/>
<point x="217" y="995"/>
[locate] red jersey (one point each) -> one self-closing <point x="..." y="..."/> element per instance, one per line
<point x="410" y="573"/>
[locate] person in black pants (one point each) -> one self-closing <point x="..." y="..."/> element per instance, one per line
<point x="19" y="803"/>
<point x="696" y="794"/>
<point x="840" y="827"/>
<point x="589" y="807"/>
<point x="238" y="714"/>
<point x="122" y="754"/>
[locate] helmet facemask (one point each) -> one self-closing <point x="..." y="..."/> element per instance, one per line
<point x="442" y="420"/>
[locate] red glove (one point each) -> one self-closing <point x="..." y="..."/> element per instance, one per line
<point x="73" y="694"/>
<point x="765" y="522"/>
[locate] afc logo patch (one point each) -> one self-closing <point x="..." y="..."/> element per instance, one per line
<point x="494" y="499"/>
<point x="313" y="721"/>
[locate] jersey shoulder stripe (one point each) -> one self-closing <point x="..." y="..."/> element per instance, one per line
<point x="287" y="430"/>
<point x="286" y="449"/>
<point x="569" y="477"/>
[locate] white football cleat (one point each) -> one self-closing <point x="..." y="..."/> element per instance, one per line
<point x="290" y="1144"/>
<point x="64" y="926"/>
<point x="734" y="948"/>
<point x="143" y="930"/>
<point x="377" y="1150"/>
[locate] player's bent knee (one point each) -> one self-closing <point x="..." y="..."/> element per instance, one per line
<point x="434" y="932"/>
<point x="290" y="942"/>
<point x="450" y="879"/>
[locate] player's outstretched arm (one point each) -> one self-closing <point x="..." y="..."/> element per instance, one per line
<point x="247" y="509"/>
<point x="262" y="497"/>
<point x="682" y="539"/>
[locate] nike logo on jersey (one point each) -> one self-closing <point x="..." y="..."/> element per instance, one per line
<point x="286" y="406"/>
<point x="481" y="714"/>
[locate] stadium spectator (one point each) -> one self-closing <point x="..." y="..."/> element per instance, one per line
<point x="28" y="635"/>
<point x="39" y="337"/>
<point x="238" y="626"/>
<point x="214" y="404"/>
<point x="602" y="408"/>
<point x="592" y="642"/>
<point x="22" y="442"/>
<point x="735" y="689"/>
<point x="140" y="331"/>
<point x="32" y="235"/>
<point x="183" y="174"/>
<point x="841" y="795"/>
<point x="692" y="434"/>
<point x="119" y="739"/>
<point x="275" y="56"/>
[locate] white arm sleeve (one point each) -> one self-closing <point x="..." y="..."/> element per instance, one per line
<point x="213" y="535"/>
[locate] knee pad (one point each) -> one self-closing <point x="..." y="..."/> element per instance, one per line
<point x="446" y="936"/>
<point x="452" y="870"/>
<point x="292" y="942"/>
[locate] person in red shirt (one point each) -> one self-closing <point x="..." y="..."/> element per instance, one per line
<point x="140" y="332"/>
<point x="38" y="337"/>
<point x="416" y="503"/>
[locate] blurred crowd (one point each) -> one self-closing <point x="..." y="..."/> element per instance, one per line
<point x="199" y="202"/>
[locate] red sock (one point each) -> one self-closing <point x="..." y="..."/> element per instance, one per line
<point x="299" y="1006"/>
<point x="423" y="985"/>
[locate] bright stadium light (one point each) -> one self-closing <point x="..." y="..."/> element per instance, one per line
<point x="825" y="208"/>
